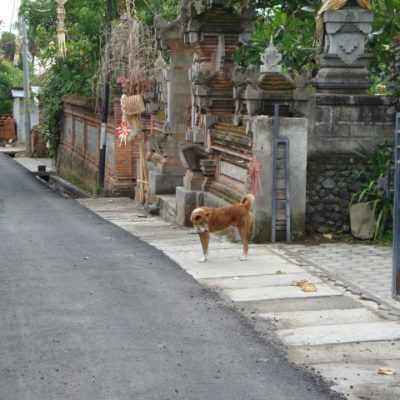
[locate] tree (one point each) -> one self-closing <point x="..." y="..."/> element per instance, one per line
<point x="7" y="45"/>
<point x="85" y="37"/>
<point x="385" y="25"/>
<point x="9" y="76"/>
<point x="290" y="25"/>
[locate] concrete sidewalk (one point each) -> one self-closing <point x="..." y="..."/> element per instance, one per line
<point x="344" y="332"/>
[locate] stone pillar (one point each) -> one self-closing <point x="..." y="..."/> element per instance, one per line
<point x="165" y="178"/>
<point x="342" y="58"/>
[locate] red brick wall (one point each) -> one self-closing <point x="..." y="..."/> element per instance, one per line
<point x="78" y="156"/>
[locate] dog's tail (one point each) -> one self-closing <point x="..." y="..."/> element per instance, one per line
<point x="247" y="201"/>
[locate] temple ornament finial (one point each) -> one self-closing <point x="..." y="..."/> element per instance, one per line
<point x="271" y="59"/>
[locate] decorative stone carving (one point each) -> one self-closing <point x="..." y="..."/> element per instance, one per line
<point x="271" y="59"/>
<point x="192" y="155"/>
<point x="160" y="69"/>
<point x="342" y="56"/>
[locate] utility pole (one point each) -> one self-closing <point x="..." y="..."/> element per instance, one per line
<point x="106" y="97"/>
<point x="27" y="107"/>
<point x="396" y="217"/>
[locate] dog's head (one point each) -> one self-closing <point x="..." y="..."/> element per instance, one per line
<point x="199" y="219"/>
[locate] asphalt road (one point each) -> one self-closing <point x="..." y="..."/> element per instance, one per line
<point x="88" y="311"/>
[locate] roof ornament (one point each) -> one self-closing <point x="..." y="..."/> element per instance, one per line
<point x="271" y="59"/>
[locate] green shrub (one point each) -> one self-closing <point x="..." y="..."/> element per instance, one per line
<point x="372" y="178"/>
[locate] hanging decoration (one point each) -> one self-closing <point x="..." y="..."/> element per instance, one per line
<point x="128" y="8"/>
<point x="61" y="28"/>
<point x="18" y="43"/>
<point x="253" y="180"/>
<point x="123" y="132"/>
<point x="131" y="108"/>
<point x="129" y="55"/>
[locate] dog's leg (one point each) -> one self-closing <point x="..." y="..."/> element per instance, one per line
<point x="204" y="239"/>
<point x="243" y="231"/>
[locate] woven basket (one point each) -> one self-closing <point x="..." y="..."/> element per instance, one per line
<point x="131" y="105"/>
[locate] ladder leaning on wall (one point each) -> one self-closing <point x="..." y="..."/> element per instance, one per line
<point x="280" y="185"/>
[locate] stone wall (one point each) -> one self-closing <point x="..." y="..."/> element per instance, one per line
<point x="330" y="187"/>
<point x="339" y="123"/>
<point x="78" y="153"/>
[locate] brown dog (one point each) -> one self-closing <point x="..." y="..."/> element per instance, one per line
<point x="206" y="220"/>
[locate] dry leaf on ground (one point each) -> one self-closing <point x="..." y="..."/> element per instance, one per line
<point x="299" y="282"/>
<point x="309" y="287"/>
<point x="386" y="371"/>
<point x="305" y="285"/>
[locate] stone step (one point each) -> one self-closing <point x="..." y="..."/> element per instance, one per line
<point x="167" y="205"/>
<point x="362" y="352"/>
<point x="341" y="333"/>
<point x="275" y="293"/>
<point x="290" y="320"/>
<point x="246" y="282"/>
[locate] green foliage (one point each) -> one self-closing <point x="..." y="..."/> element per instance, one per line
<point x="385" y="25"/>
<point x="291" y="24"/>
<point x="291" y="27"/>
<point x="74" y="74"/>
<point x="7" y="45"/>
<point x="85" y="37"/>
<point x="148" y="9"/>
<point x="372" y="178"/>
<point x="9" y="76"/>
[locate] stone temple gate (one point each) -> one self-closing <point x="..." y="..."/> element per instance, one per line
<point x="221" y="139"/>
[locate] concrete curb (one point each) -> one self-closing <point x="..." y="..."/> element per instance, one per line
<point x="65" y="188"/>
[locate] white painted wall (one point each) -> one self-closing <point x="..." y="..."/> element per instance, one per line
<point x="19" y="113"/>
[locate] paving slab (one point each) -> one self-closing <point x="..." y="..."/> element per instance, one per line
<point x="227" y="264"/>
<point x="214" y="249"/>
<point x="344" y="333"/>
<point x="366" y="268"/>
<point x="274" y="293"/>
<point x="358" y="379"/>
<point x="362" y="352"/>
<point x="152" y="233"/>
<point x="234" y="268"/>
<point x="176" y="244"/>
<point x="382" y="391"/>
<point x="296" y="319"/>
<point x="258" y="281"/>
